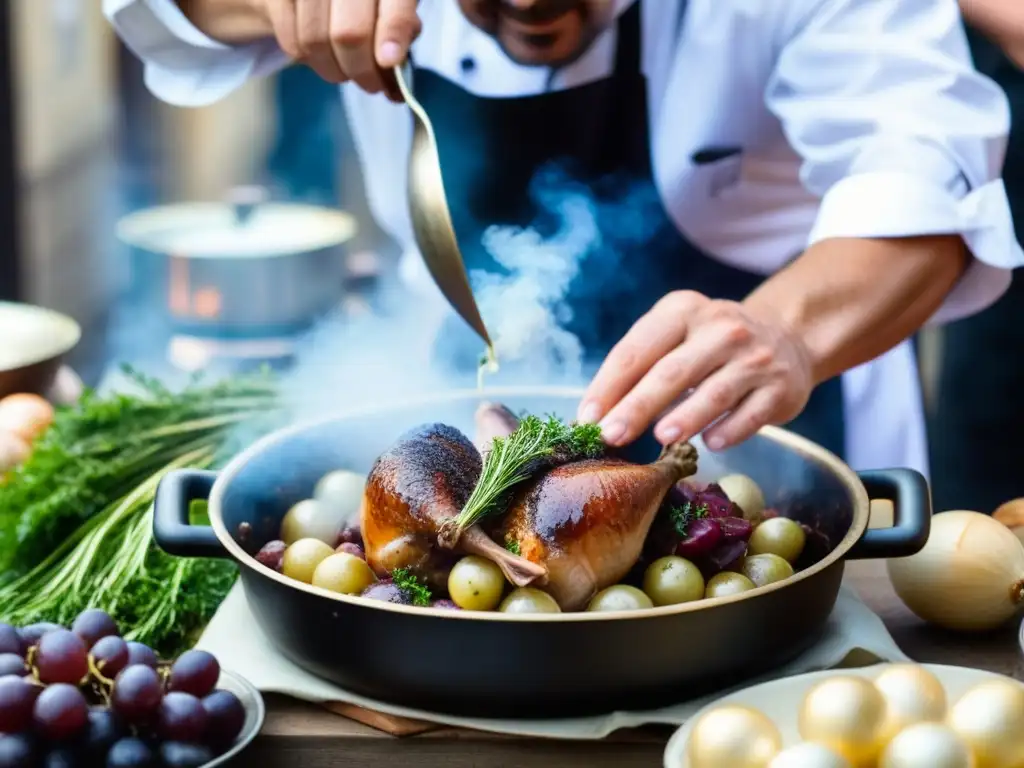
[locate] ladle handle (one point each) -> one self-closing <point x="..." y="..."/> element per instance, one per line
<point x="912" y="514"/>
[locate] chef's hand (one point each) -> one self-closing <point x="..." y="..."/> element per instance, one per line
<point x="747" y="369"/>
<point x="347" y="40"/>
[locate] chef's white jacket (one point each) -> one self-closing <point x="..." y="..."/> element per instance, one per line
<point x="857" y="118"/>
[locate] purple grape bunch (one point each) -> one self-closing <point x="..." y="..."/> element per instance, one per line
<point x="86" y="697"/>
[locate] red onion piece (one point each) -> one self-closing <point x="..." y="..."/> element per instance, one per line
<point x="702" y="536"/>
<point x="351" y="549"/>
<point x="735" y="528"/>
<point x="272" y="554"/>
<point x="727" y="556"/>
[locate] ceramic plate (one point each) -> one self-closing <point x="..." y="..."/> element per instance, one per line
<point x="781" y="699"/>
<point x="255" y="713"/>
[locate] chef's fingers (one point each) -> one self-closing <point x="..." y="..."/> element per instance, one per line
<point x="283" y="18"/>
<point x="651" y="338"/>
<point x="312" y="19"/>
<point x="717" y="395"/>
<point x="397" y="26"/>
<point x="353" y="24"/>
<point x="756" y="410"/>
<point x="674" y="374"/>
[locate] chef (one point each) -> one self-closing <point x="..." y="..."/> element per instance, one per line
<point x="824" y="173"/>
<point x="981" y="371"/>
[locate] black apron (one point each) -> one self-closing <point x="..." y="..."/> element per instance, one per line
<point x="507" y="161"/>
<point x="979" y="406"/>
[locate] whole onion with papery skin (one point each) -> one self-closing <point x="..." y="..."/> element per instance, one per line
<point x="968" y="577"/>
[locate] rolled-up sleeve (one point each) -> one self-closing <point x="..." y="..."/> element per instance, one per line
<point x="899" y="134"/>
<point x="183" y="66"/>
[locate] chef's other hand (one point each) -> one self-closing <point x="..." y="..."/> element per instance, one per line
<point x="347" y="40"/>
<point x="749" y="370"/>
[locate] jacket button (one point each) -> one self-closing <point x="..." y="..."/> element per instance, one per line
<point x="467" y="64"/>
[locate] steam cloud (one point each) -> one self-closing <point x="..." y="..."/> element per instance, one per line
<point x="347" y="363"/>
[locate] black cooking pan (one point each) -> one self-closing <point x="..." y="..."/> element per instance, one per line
<point x="33" y="342"/>
<point x="552" y="665"/>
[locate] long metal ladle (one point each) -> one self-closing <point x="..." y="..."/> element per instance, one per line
<point x="431" y="219"/>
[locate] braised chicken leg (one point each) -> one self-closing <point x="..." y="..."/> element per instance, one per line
<point x="586" y="522"/>
<point x="414" y="487"/>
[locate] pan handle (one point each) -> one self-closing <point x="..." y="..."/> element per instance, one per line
<point x="912" y="505"/>
<point x="172" y="530"/>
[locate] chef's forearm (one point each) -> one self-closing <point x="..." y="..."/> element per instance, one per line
<point x="1000" y="20"/>
<point x="850" y="300"/>
<point x="234" y="22"/>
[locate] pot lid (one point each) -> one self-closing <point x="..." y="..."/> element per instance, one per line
<point x="239" y="228"/>
<point x="31" y="334"/>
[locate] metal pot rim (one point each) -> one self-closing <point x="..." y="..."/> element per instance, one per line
<point x="786" y="439"/>
<point x="64" y="336"/>
<point x="146" y="228"/>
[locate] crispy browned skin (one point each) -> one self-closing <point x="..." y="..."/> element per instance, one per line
<point x="416" y="485"/>
<point x="587" y="521"/>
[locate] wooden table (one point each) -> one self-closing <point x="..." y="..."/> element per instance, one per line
<point x="306" y="736"/>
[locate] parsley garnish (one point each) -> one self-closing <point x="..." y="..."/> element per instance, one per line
<point x="685" y="514"/>
<point x="76" y="527"/>
<point x="416" y="592"/>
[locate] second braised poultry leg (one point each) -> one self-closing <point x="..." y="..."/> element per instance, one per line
<point x="586" y="522"/>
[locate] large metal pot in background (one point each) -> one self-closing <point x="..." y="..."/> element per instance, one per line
<point x="520" y="665"/>
<point x="244" y="268"/>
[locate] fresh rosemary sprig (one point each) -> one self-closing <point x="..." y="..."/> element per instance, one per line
<point x="536" y="444"/>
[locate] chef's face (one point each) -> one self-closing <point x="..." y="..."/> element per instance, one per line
<point x="540" y="32"/>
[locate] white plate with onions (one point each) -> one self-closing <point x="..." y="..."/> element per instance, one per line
<point x="884" y="716"/>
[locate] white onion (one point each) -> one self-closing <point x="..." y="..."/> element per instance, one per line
<point x="744" y="493"/>
<point x="340" y="493"/>
<point x="969" y="576"/>
<point x="308" y="519"/>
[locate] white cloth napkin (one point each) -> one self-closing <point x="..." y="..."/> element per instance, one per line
<point x="853" y="637"/>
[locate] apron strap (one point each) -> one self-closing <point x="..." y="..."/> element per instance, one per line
<point x="628" y="49"/>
